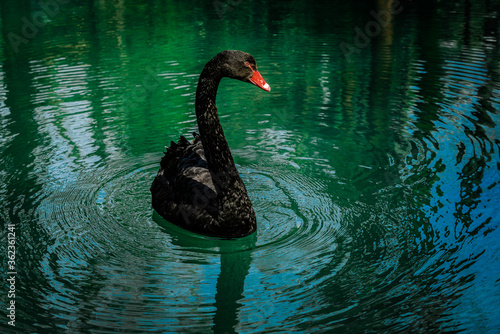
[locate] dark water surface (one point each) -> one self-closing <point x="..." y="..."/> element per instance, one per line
<point x="373" y="166"/>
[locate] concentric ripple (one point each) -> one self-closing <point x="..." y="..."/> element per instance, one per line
<point x="372" y="166"/>
<point x="102" y="234"/>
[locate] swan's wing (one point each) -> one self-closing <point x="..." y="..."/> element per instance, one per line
<point x="183" y="189"/>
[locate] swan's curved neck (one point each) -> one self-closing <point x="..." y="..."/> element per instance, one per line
<point x="235" y="211"/>
<point x="219" y="159"/>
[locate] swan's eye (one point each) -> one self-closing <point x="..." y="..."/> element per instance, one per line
<point x="247" y="64"/>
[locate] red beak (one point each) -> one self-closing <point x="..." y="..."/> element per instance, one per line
<point x="259" y="81"/>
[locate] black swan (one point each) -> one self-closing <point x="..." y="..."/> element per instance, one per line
<point x="198" y="187"/>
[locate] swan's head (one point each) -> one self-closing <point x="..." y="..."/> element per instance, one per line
<point x="242" y="66"/>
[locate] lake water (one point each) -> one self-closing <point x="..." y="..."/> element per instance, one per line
<point x="373" y="166"/>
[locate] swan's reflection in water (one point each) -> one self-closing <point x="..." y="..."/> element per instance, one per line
<point x="235" y="260"/>
<point x="230" y="284"/>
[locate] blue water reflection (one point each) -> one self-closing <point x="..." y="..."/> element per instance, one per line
<point x="374" y="175"/>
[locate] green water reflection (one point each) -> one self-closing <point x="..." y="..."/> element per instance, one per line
<point x="373" y="166"/>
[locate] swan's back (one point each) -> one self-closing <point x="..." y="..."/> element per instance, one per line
<point x="183" y="191"/>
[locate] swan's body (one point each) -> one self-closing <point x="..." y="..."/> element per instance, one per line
<point x="198" y="186"/>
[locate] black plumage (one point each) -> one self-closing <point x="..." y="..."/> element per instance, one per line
<point x="198" y="186"/>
